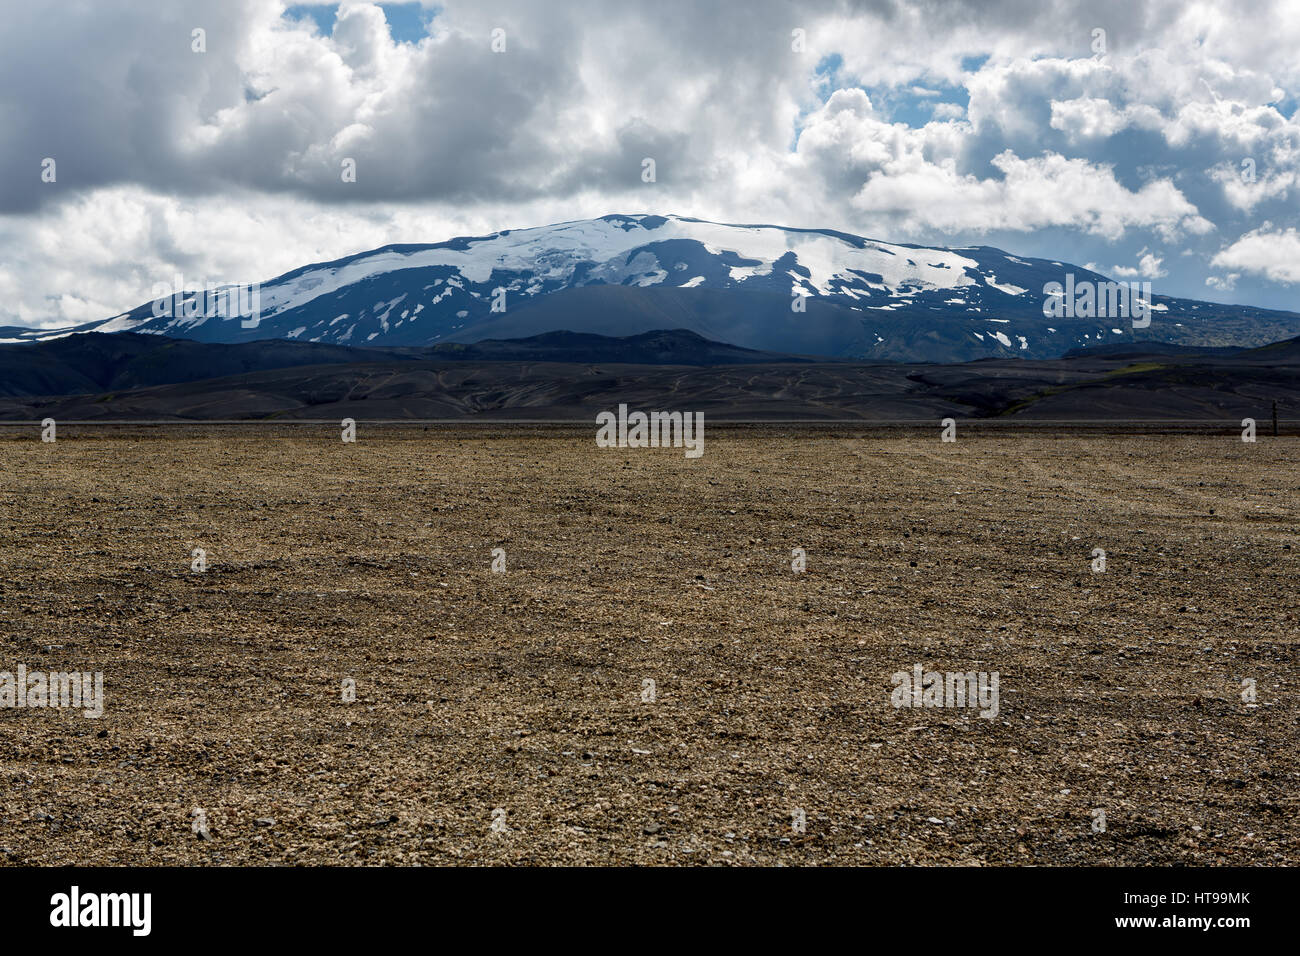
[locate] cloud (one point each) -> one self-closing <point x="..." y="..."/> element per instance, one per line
<point x="1148" y="267"/>
<point x="1090" y="117"/>
<point x="1248" y="186"/>
<point x="1268" y="252"/>
<point x="912" y="177"/>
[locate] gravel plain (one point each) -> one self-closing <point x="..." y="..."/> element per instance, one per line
<point x="507" y="718"/>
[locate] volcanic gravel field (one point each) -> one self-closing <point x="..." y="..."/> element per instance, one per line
<point x="508" y="717"/>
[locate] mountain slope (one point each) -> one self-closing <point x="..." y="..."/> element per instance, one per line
<point x="89" y="363"/>
<point x="621" y="275"/>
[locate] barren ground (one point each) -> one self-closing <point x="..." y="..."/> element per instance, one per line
<point x="1119" y="691"/>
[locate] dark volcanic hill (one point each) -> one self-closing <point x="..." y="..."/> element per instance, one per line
<point x="98" y="362"/>
<point x="134" y="377"/>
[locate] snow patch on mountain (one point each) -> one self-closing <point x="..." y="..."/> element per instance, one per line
<point x="555" y="253"/>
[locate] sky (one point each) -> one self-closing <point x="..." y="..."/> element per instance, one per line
<point x="139" y="141"/>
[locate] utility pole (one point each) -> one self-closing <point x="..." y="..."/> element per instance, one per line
<point x="1275" y="418"/>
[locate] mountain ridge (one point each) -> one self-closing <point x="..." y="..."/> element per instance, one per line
<point x="762" y="287"/>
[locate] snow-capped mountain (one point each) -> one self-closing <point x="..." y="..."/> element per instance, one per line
<point x="622" y="275"/>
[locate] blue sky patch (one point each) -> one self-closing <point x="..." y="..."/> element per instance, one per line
<point x="916" y="105"/>
<point x="407" y="22"/>
<point x="827" y="75"/>
<point x="323" y="15"/>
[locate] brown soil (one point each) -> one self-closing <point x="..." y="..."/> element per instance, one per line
<point x="1119" y="691"/>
